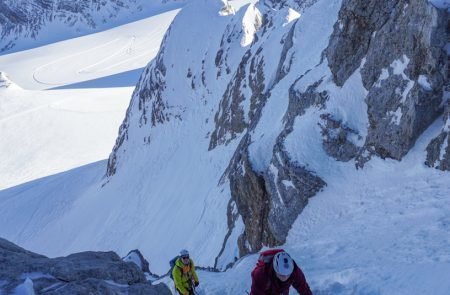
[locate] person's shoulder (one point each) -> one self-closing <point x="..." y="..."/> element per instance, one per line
<point x="261" y="271"/>
<point x="179" y="263"/>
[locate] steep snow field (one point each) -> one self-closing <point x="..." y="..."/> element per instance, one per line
<point x="47" y="132"/>
<point x="384" y="229"/>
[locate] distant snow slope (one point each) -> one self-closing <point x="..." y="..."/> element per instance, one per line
<point x="30" y="23"/>
<point x="47" y="132"/>
<point x="120" y="51"/>
<point x="44" y="133"/>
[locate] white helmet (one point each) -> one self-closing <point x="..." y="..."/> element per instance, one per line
<point x="283" y="264"/>
<point x="184" y="252"/>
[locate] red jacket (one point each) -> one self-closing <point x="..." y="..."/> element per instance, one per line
<point x="265" y="282"/>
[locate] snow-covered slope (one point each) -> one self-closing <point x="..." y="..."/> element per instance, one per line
<point x="232" y="135"/>
<point x="47" y="132"/>
<point x="44" y="133"/>
<point x="31" y="23"/>
<point x="111" y="58"/>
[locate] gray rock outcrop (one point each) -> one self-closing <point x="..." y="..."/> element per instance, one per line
<point x="249" y="192"/>
<point x="230" y="118"/>
<point x="136" y="257"/>
<point x="269" y="201"/>
<point x="289" y="186"/>
<point x="336" y="139"/>
<point x="80" y="273"/>
<point x="399" y="46"/>
<point x="438" y="151"/>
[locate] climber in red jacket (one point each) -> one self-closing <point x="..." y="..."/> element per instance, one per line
<point x="275" y="273"/>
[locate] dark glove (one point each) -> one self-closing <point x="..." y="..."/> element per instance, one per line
<point x="196" y="284"/>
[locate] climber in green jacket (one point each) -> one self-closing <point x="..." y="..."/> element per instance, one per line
<point x="184" y="275"/>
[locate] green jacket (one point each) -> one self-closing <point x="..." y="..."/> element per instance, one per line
<point x="183" y="275"/>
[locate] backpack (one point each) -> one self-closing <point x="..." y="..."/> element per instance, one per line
<point x="172" y="265"/>
<point x="265" y="260"/>
<point x="266" y="257"/>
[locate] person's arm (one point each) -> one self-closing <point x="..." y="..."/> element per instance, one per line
<point x="194" y="273"/>
<point x="259" y="282"/>
<point x="177" y="279"/>
<point x="300" y="283"/>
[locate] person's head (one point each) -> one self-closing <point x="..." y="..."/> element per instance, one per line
<point x="283" y="266"/>
<point x="184" y="256"/>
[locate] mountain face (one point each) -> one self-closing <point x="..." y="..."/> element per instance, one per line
<point x="281" y="94"/>
<point x="26" y="23"/>
<point x="401" y="43"/>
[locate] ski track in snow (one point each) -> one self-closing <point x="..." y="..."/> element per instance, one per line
<point x="126" y="48"/>
<point x="67" y="59"/>
<point x="116" y="50"/>
<point x="93" y="68"/>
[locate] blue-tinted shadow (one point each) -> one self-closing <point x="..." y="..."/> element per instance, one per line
<point x="125" y="79"/>
<point x="39" y="202"/>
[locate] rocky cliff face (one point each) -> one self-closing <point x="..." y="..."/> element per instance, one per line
<point x="81" y="273"/>
<point x="399" y="46"/>
<point x="438" y="151"/>
<point x="272" y="89"/>
<point x="269" y="201"/>
<point x="152" y="108"/>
